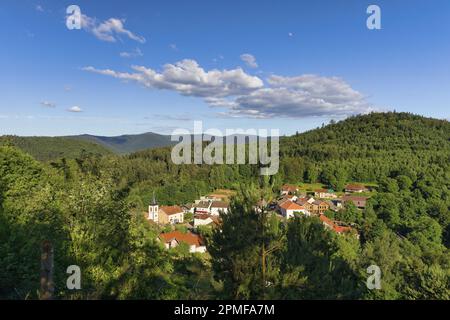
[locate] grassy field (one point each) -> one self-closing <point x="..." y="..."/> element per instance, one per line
<point x="225" y="194"/>
<point x="311" y="187"/>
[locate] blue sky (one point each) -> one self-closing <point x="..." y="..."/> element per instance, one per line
<point x="140" y="66"/>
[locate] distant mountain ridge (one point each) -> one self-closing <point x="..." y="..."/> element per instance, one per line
<point x="52" y="148"/>
<point x="128" y="143"/>
<point x="365" y="133"/>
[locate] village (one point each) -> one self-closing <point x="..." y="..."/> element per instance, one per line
<point x="290" y="202"/>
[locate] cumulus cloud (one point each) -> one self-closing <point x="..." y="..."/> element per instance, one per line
<point x="249" y="60"/>
<point x="188" y="78"/>
<point x="109" y="30"/>
<point x="75" y="109"/>
<point x="48" y="104"/>
<point x="244" y="95"/>
<point x="301" y="96"/>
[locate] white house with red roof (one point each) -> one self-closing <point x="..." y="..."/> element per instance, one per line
<point x="175" y="238"/>
<point x="202" y="219"/>
<point x="288" y="189"/>
<point x="202" y="207"/>
<point x="217" y="207"/>
<point x="288" y="208"/>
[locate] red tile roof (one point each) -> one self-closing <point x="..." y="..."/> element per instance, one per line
<point x="289" y="205"/>
<point x="326" y="220"/>
<point x="340" y="229"/>
<point x="170" y="210"/>
<point x="189" y="238"/>
<point x="330" y="223"/>
<point x="202" y="216"/>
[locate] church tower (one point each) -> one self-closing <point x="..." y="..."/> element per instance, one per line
<point x="153" y="210"/>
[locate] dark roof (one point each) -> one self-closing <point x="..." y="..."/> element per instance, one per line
<point x="202" y="204"/>
<point x="219" y="204"/>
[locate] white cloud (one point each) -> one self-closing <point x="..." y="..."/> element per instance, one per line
<point x="188" y="78"/>
<point x="301" y="96"/>
<point x="75" y="109"/>
<point x="132" y="54"/>
<point x="244" y="95"/>
<point x="290" y="34"/>
<point x="108" y="30"/>
<point x="39" y="8"/>
<point x="48" y="104"/>
<point x="249" y="60"/>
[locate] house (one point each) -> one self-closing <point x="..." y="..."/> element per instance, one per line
<point x="292" y="197"/>
<point x="288" y="208"/>
<point x="358" y="201"/>
<point x="202" y="219"/>
<point x="171" y="214"/>
<point x="306" y="203"/>
<point x="310" y="200"/>
<point x="188" y="208"/>
<point x="165" y="214"/>
<point x="281" y="201"/>
<point x="319" y="207"/>
<point x="332" y="225"/>
<point x="355" y="188"/>
<point x="324" y="194"/>
<point x="288" y="189"/>
<point x="202" y="207"/>
<point x="174" y="238"/>
<point x="217" y="207"/>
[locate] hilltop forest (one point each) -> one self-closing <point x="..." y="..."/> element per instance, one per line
<point x="90" y="205"/>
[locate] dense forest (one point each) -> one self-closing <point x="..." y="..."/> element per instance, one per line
<point x="90" y="206"/>
<point x="50" y="148"/>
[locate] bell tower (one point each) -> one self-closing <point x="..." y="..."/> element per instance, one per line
<point x="153" y="210"/>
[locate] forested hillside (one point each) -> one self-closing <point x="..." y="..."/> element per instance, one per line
<point x="51" y="148"/>
<point x="91" y="208"/>
<point x="129" y="143"/>
<point x="373" y="146"/>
